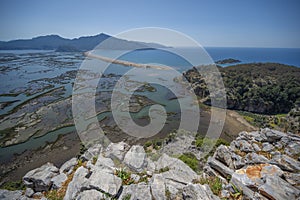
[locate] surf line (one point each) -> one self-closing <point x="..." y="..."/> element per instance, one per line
<point x="125" y="63"/>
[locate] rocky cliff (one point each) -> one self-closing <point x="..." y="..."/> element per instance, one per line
<point x="256" y="165"/>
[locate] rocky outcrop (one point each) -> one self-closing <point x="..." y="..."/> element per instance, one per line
<point x="256" y="165"/>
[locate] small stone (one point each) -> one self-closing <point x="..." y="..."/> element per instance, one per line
<point x="244" y="146"/>
<point x="224" y="194"/>
<point x="267" y="147"/>
<point x="253" y="158"/>
<point x="224" y="155"/>
<point x="28" y="192"/>
<point x="91" y="152"/>
<point x="135" y="177"/>
<point x="256" y="147"/>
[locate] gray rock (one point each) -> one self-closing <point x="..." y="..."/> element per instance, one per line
<point x="178" y="170"/>
<point x="256" y="147"/>
<point x="220" y="167"/>
<point x="224" y="155"/>
<point x="10" y="195"/>
<point x="135" y="158"/>
<point x="225" y="194"/>
<point x="105" y="182"/>
<point x="292" y="149"/>
<point x="197" y="191"/>
<point x="253" y="158"/>
<point x="277" y="188"/>
<point x="286" y="163"/>
<point x="78" y="182"/>
<point x="40" y="179"/>
<point x="92" y="152"/>
<point x="242" y="177"/>
<point x="285" y="140"/>
<point x="293" y="179"/>
<point x="58" y="180"/>
<point x="104" y="164"/>
<point x="244" y="146"/>
<point x="158" y="188"/>
<point x="150" y="165"/>
<point x="68" y="166"/>
<point x="139" y="191"/>
<point x="29" y="192"/>
<point x="238" y="161"/>
<point x="267" y="147"/>
<point x="247" y="192"/>
<point x="135" y="177"/>
<point x="273" y="135"/>
<point x="271" y="170"/>
<point x="90" y="195"/>
<point x="117" y="150"/>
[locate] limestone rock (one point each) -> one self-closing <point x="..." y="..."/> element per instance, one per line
<point x="92" y="152"/>
<point x="117" y="150"/>
<point x="68" y="166"/>
<point x="106" y="182"/>
<point x="178" y="170"/>
<point x="78" y="182"/>
<point x="158" y="188"/>
<point x="277" y="188"/>
<point x="286" y="163"/>
<point x="90" y="195"/>
<point x="220" y="167"/>
<point x="10" y="195"/>
<point x="136" y="192"/>
<point x="58" y="180"/>
<point x="135" y="158"/>
<point x="197" y="191"/>
<point x="223" y="154"/>
<point x="40" y="179"/>
<point x="253" y="158"/>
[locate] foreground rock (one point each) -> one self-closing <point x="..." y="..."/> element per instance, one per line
<point x="257" y="165"/>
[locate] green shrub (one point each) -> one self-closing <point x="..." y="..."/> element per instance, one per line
<point x="191" y="160"/>
<point x="13" y="185"/>
<point x="214" y="183"/>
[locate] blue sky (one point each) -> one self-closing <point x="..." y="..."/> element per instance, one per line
<point x="240" y="23"/>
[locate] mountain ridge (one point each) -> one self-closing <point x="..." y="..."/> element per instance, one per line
<point x="84" y="43"/>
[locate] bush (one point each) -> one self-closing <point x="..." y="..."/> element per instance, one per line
<point x="191" y="160"/>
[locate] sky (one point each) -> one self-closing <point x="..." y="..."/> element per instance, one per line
<point x="220" y="23"/>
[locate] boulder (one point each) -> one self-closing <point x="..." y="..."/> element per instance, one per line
<point x="224" y="155"/>
<point x="136" y="191"/>
<point x="106" y="182"/>
<point x="91" y="152"/>
<point x="244" y="146"/>
<point x="253" y="158"/>
<point x="78" y="182"/>
<point x="135" y="158"/>
<point x="10" y="195"/>
<point x="29" y="192"/>
<point x="197" y="191"/>
<point x="220" y="167"/>
<point x="58" y="180"/>
<point x="68" y="166"/>
<point x="286" y="163"/>
<point x="104" y="164"/>
<point x="158" y="188"/>
<point x="117" y="150"/>
<point x="277" y="188"/>
<point x="272" y="135"/>
<point x="90" y="195"/>
<point x="40" y="179"/>
<point x="177" y="171"/>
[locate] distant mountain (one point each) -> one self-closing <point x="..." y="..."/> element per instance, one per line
<point x="55" y="42"/>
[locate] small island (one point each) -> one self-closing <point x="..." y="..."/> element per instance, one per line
<point x="227" y="61"/>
